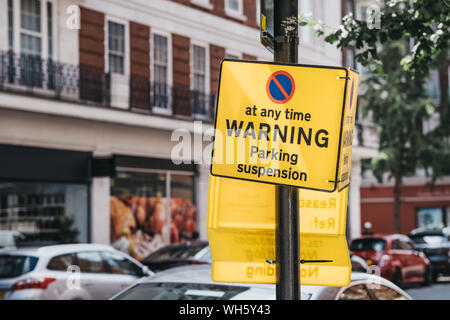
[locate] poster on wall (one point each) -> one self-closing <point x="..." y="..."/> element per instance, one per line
<point x="139" y="225"/>
<point x="183" y="216"/>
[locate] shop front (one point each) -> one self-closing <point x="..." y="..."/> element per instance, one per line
<point x="152" y="204"/>
<point x="44" y="194"/>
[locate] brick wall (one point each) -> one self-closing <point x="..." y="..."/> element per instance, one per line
<point x="248" y="57"/>
<point x="140" y="66"/>
<point x="93" y="86"/>
<point x="218" y="9"/>
<point x="377" y="205"/>
<point x="181" y="75"/>
<point x="91" y="39"/>
<point x="250" y="13"/>
<point x="217" y="54"/>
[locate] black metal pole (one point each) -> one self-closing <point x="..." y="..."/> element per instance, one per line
<point x="287" y="219"/>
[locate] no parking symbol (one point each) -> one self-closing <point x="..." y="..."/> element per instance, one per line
<point x="280" y="87"/>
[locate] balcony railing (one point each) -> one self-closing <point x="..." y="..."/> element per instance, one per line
<point x="35" y="76"/>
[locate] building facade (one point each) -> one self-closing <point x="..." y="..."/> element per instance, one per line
<point x="422" y="206"/>
<point x="93" y="97"/>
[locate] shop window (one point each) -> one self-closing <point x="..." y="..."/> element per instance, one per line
<point x="430" y="218"/>
<point x="150" y="210"/>
<point x="139" y="213"/>
<point x="233" y="55"/>
<point x="45" y="213"/>
<point x="182" y="208"/>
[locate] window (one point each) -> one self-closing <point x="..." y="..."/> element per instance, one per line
<point x="386" y="293"/>
<point x="203" y="3"/>
<point x="10" y="25"/>
<point x="200" y="80"/>
<point x="61" y="263"/>
<point x="359" y="245"/>
<point x="313" y="11"/>
<point x="400" y="244"/>
<point x="116" y="47"/>
<point x="161" y="72"/>
<point x="45" y="213"/>
<point x="30" y="27"/>
<point x="91" y="262"/>
<point x="12" y="266"/>
<point x="233" y="56"/>
<point x="121" y="265"/>
<point x="235" y="9"/>
<point x="430" y="218"/>
<point x="258" y="12"/>
<point x="30" y="36"/>
<point x="355" y="292"/>
<point x="146" y="205"/>
<point x="234" y="5"/>
<point x="199" y="68"/>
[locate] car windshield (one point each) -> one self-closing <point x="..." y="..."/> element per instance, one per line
<point x="176" y="252"/>
<point x="181" y="291"/>
<point x="428" y="239"/>
<point x="368" y="245"/>
<point x="12" y="266"/>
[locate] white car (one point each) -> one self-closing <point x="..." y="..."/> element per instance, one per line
<point x="194" y="283"/>
<point x="69" y="272"/>
<point x="8" y="239"/>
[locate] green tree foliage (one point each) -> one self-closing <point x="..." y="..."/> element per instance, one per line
<point x="412" y="39"/>
<point x="399" y="105"/>
<point x="425" y="22"/>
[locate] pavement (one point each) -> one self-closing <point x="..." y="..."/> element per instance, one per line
<point x="436" y="291"/>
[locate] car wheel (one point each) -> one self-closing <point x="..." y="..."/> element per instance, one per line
<point x="429" y="277"/>
<point x="398" y="278"/>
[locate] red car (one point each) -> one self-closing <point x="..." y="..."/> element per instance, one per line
<point x="396" y="257"/>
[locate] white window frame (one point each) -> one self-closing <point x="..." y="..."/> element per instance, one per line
<point x="203" y="3"/>
<point x="318" y="13"/>
<point x="236" y="14"/>
<point x="238" y="55"/>
<point x="258" y="13"/>
<point x="126" y="58"/>
<point x="43" y="34"/>
<point x="207" y="69"/>
<point x="168" y="35"/>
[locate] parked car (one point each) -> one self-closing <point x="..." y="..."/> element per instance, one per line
<point x="358" y="263"/>
<point x="199" y="253"/>
<point x="435" y="243"/>
<point x="396" y="256"/>
<point x="9" y="239"/>
<point x="50" y="272"/>
<point x="194" y="283"/>
<point x="187" y="253"/>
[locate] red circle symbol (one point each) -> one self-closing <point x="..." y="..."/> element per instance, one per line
<point x="280" y="87"/>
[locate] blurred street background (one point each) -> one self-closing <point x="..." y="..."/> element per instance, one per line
<point x="92" y="91"/>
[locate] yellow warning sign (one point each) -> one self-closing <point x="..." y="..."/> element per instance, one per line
<point x="241" y="232"/>
<point x="285" y="124"/>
